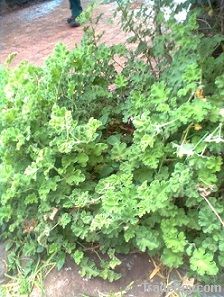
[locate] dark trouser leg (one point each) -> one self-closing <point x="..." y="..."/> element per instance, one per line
<point x="76" y="8"/>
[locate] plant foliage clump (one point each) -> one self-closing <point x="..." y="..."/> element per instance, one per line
<point x="96" y="153"/>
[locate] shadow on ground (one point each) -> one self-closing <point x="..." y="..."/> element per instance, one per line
<point x="135" y="270"/>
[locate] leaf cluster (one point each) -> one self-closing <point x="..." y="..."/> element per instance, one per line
<point x="95" y="158"/>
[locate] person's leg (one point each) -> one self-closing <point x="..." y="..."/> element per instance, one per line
<point x="76" y="8"/>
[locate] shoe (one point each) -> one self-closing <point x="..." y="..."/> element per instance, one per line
<point x="73" y="23"/>
<point x="69" y="20"/>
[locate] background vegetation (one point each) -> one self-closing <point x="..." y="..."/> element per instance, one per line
<point x="108" y="149"/>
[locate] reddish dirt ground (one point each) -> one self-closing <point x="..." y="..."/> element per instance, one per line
<point x="34" y="31"/>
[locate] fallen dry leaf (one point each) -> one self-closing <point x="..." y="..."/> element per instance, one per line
<point x="189" y="282"/>
<point x="53" y="214"/>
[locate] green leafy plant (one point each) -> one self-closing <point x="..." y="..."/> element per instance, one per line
<point x="99" y="156"/>
<point x="29" y="274"/>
